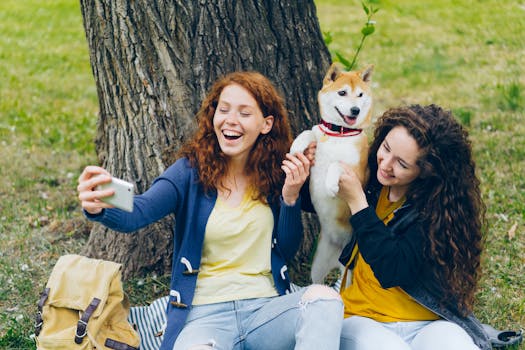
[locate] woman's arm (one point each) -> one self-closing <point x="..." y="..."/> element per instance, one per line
<point x="395" y="258"/>
<point x="289" y="226"/>
<point x="289" y="229"/>
<point x="297" y="169"/>
<point x="162" y="198"/>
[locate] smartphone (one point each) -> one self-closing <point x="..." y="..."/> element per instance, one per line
<point x="123" y="197"/>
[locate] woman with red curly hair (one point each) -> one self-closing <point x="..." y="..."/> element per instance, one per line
<point x="417" y="237"/>
<point x="235" y="195"/>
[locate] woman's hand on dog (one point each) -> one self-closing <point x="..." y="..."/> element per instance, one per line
<point x="351" y="189"/>
<point x="309" y="152"/>
<point x="297" y="169"/>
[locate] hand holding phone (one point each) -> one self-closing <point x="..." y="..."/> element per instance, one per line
<point x="123" y="196"/>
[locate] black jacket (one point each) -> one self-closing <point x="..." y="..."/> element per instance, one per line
<point x="396" y="255"/>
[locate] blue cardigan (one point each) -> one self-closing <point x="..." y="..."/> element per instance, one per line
<point x="178" y="191"/>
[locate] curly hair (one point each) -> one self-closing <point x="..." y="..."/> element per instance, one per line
<point x="446" y="194"/>
<point x="264" y="161"/>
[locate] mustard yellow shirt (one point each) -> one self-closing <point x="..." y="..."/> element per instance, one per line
<point x="365" y="296"/>
<point x="236" y="253"/>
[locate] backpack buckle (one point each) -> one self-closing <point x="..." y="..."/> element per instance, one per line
<point x="82" y="323"/>
<point x="38" y="323"/>
<point x="81" y="327"/>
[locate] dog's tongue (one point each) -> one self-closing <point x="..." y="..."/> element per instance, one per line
<point x="349" y="120"/>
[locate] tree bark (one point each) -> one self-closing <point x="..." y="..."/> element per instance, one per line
<point x="153" y="62"/>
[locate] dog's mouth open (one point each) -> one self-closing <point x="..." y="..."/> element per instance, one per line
<point x="348" y="119"/>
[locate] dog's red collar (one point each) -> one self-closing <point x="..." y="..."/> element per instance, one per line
<point x="338" y="130"/>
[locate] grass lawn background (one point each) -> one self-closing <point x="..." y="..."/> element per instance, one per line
<point x="468" y="56"/>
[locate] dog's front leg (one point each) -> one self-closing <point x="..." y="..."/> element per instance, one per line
<point x="302" y="141"/>
<point x="332" y="179"/>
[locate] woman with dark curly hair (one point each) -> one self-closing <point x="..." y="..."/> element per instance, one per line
<point x="235" y="196"/>
<point x="417" y="237"/>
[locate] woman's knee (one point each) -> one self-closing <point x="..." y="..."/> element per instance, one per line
<point x="319" y="291"/>
<point x="443" y="335"/>
<point x="364" y="333"/>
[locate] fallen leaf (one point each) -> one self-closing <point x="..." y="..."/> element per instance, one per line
<point x="512" y="232"/>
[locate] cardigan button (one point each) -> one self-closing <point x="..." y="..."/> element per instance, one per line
<point x="178" y="305"/>
<point x="283" y="270"/>
<point x="189" y="269"/>
<point x="177" y="302"/>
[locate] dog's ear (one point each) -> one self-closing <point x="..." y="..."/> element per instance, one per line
<point x="366" y="73"/>
<point x="333" y="73"/>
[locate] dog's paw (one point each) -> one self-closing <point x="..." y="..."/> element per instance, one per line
<point x="297" y="147"/>
<point x="332" y="188"/>
<point x="302" y="141"/>
<point x="332" y="179"/>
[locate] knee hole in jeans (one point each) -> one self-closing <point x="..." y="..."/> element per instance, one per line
<point x="319" y="291"/>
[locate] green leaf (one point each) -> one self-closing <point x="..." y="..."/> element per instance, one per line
<point x="367" y="30"/>
<point x="344" y="61"/>
<point x="327" y="37"/>
<point x="365" y="8"/>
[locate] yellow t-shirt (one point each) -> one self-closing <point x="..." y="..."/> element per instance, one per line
<point x="365" y="296"/>
<point x="236" y="253"/>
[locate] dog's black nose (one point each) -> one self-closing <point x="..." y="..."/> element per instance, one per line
<point x="355" y="111"/>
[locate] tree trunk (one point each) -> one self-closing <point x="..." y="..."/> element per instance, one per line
<point x="153" y="62"/>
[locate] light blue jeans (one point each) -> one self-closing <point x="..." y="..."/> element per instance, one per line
<point x="310" y="318"/>
<point x="364" y="333"/>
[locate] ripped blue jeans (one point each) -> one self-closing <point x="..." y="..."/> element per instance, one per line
<point x="310" y="318"/>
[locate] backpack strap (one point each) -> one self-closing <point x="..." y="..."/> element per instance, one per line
<point x="82" y="323"/>
<point x="113" y="344"/>
<point x="38" y="319"/>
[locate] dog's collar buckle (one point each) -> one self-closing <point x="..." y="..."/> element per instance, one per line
<point x="338" y="130"/>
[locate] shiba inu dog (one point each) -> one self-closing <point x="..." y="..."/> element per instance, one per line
<point x="345" y="103"/>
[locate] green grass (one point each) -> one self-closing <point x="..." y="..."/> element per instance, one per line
<point x="47" y="93"/>
<point x="467" y="56"/>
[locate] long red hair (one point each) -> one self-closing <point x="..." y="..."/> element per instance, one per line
<point x="269" y="150"/>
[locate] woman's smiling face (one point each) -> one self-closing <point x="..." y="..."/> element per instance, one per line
<point x="397" y="160"/>
<point x="238" y="121"/>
